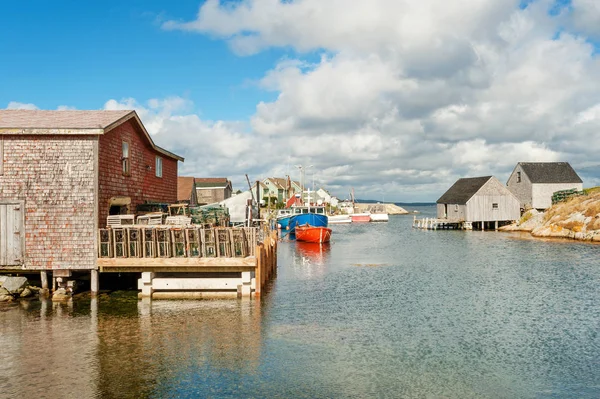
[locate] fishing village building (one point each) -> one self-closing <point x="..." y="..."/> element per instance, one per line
<point x="478" y="202"/>
<point x="65" y="174"/>
<point x="186" y="191"/>
<point x="533" y="183"/>
<point x="212" y="189"/>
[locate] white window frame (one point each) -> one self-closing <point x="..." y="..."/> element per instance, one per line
<point x="158" y="166"/>
<point x="125" y="164"/>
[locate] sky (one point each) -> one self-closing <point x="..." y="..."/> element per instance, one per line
<point x="395" y="99"/>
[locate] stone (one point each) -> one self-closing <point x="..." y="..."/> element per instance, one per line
<point x="60" y="295"/>
<point x="2" y="280"/>
<point x="14" y="284"/>
<point x="26" y="293"/>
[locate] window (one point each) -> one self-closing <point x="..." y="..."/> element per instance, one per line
<point x="125" y="158"/>
<point x="494" y="206"/>
<point x="456" y="208"/>
<point x="518" y="177"/>
<point x="158" y="167"/>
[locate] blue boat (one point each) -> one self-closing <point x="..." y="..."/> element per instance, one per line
<point x="287" y="219"/>
<point x="314" y="216"/>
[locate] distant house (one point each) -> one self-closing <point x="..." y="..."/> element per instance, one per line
<point x="533" y="183"/>
<point x="280" y="188"/>
<point x="212" y="189"/>
<point x="186" y="190"/>
<point x="478" y="200"/>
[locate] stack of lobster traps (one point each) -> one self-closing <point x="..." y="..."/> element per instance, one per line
<point x="172" y="241"/>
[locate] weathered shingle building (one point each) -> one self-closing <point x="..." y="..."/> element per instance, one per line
<point x="478" y="200"/>
<point x="186" y="191"/>
<point x="533" y="183"/>
<point x="63" y="172"/>
<point x="212" y="189"/>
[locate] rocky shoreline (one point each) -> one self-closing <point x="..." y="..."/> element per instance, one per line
<point x="577" y="218"/>
<point x="390" y="209"/>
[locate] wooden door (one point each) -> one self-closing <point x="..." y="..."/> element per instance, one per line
<point x="11" y="233"/>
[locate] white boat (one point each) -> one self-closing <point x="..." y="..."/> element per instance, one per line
<point x="380" y="217"/>
<point x="379" y="214"/>
<point x="339" y="219"/>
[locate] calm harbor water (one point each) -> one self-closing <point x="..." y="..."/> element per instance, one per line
<point x="383" y="311"/>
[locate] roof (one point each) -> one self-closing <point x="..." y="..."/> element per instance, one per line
<point x="70" y="122"/>
<point x="281" y="182"/>
<point x="211" y="182"/>
<point x="550" y="172"/>
<point x="38" y="119"/>
<point x="463" y="190"/>
<point x="185" y="186"/>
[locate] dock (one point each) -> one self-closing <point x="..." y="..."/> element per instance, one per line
<point x="190" y="261"/>
<point x="440" y="224"/>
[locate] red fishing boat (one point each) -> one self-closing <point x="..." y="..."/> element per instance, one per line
<point x="309" y="233"/>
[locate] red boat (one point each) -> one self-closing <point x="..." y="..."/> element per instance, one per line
<point x="310" y="233"/>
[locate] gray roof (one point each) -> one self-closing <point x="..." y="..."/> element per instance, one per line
<point x="463" y="190"/>
<point x="69" y="119"/>
<point x="550" y="172"/>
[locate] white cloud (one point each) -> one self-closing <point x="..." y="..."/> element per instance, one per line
<point x="18" y="105"/>
<point x="586" y="16"/>
<point x="407" y="97"/>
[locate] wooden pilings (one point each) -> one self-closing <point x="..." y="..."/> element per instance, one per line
<point x="266" y="261"/>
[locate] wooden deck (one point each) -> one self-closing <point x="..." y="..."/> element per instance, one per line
<point x="187" y="259"/>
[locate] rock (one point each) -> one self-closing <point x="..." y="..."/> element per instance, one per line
<point x="60" y="295"/>
<point x="5" y="296"/>
<point x="2" y="280"/>
<point x="14" y="284"/>
<point x="26" y="293"/>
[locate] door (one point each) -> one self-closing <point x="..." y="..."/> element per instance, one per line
<point x="11" y="233"/>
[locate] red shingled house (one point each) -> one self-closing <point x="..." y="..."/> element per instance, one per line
<point x="63" y="172"/>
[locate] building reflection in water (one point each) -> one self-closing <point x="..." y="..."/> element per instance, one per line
<point x="119" y="347"/>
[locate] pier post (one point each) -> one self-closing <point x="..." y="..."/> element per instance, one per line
<point x="44" y="279"/>
<point x="94" y="283"/>
<point x="496" y="225"/>
<point x="145" y="284"/>
<point x="246" y="284"/>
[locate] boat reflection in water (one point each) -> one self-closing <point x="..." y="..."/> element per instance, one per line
<point x="312" y="258"/>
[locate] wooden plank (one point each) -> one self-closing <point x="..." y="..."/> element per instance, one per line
<point x="176" y="262"/>
<point x="196" y="283"/>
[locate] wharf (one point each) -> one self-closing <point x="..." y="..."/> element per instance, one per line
<point x="180" y="261"/>
<point x="439" y="224"/>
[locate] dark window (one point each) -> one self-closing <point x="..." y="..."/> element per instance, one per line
<point x="494" y="206"/>
<point x="518" y="177"/>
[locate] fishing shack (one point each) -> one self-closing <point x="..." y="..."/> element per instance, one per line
<point x="478" y="203"/>
<point x="66" y="175"/>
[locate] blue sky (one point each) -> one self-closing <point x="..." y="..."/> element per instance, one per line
<point x="395" y="100"/>
<point x="82" y="53"/>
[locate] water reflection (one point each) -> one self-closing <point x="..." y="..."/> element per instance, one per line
<point x="310" y="259"/>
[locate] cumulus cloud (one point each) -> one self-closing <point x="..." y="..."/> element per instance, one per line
<point x="412" y="95"/>
<point x="18" y="105"/>
<point x="406" y="98"/>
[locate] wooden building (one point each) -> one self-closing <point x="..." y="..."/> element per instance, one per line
<point x="62" y="173"/>
<point x="533" y="183"/>
<point x="212" y="189"/>
<point x="186" y="191"/>
<point x="483" y="201"/>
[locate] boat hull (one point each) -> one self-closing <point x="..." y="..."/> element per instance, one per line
<point x="312" y="219"/>
<point x="283" y="222"/>
<point x="339" y="219"/>
<point x="380" y="217"/>
<point x="360" y="217"/>
<point x="313" y="234"/>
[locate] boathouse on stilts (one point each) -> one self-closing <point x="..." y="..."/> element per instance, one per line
<point x="65" y="174"/>
<point x="478" y="203"/>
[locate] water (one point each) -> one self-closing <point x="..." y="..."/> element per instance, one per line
<point x="383" y="311"/>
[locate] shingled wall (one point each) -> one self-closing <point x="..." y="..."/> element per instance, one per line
<point x="55" y="177"/>
<point x="141" y="185"/>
